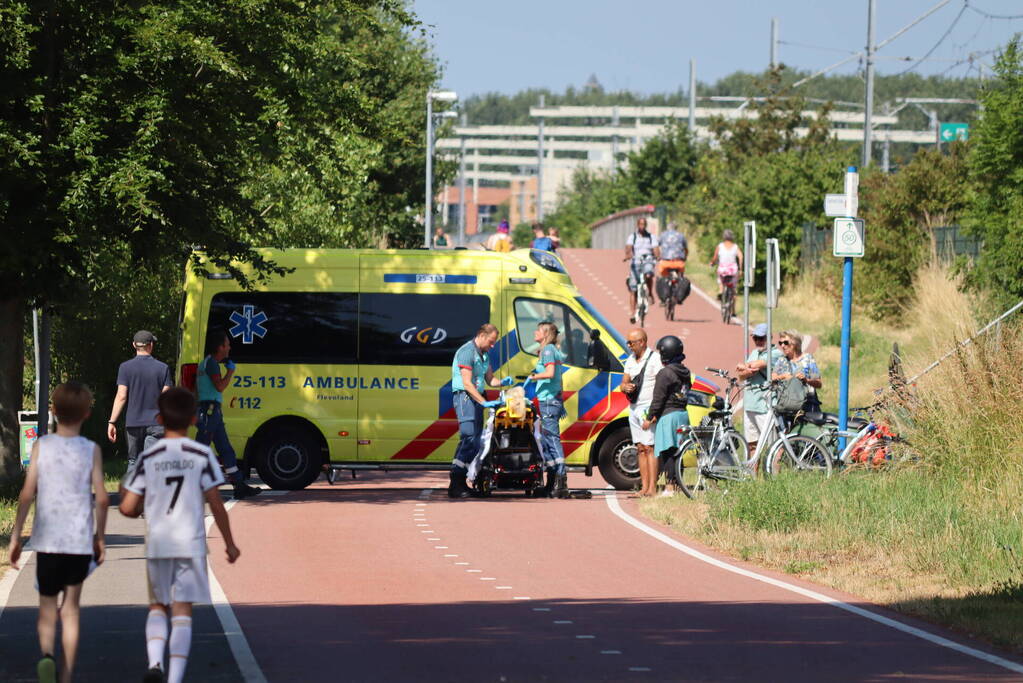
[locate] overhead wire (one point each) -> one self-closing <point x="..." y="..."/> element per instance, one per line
<point x="989" y="15"/>
<point x="945" y="35"/>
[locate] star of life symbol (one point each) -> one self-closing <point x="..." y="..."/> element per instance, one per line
<point x="248" y="324"/>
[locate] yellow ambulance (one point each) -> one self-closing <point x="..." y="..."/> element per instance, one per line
<point x="344" y="363"/>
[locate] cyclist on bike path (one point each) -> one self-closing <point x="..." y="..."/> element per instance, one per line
<point x="754" y="372"/>
<point x="674" y="252"/>
<point x="728" y="259"/>
<point x="642" y="250"/>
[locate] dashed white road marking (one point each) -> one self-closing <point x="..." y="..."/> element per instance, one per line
<point x="474" y="571"/>
<point x="522" y="597"/>
<point x="640" y="668"/>
<point x="541" y="609"/>
<point x="563" y="621"/>
<point x="610" y="652"/>
<point x="429" y="525"/>
<point x="440" y="547"/>
<point x="487" y="578"/>
<point x="586" y="637"/>
<point x="461" y="563"/>
<point x="429" y="531"/>
<point x="432" y="539"/>
<point x="450" y="555"/>
<point x="503" y="588"/>
<point x="616" y="509"/>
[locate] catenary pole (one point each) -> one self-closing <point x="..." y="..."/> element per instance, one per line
<point x="428" y="215"/>
<point x="774" y="42"/>
<point x="539" y="166"/>
<point x="868" y="109"/>
<point x="692" y="97"/>
<point x="461" y="184"/>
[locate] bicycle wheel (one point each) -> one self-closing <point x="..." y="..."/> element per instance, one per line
<point x="669" y="308"/>
<point x="688" y="473"/>
<point x="802" y="454"/>
<point x="641" y="311"/>
<point x="729" y="462"/>
<point x="726" y="304"/>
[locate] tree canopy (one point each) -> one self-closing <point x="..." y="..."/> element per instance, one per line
<point x="135" y="133"/>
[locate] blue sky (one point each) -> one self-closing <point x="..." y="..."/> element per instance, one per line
<point x="645" y="45"/>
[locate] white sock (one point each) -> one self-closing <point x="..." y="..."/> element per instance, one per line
<point x="156" y="637"/>
<point x="180" y="644"/>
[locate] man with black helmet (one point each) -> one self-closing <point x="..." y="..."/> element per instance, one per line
<point x="668" y="407"/>
<point x="140" y="381"/>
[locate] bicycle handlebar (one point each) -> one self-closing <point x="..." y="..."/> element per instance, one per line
<point x="717" y="371"/>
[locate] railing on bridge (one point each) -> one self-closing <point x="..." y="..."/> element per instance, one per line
<point x="949" y="243"/>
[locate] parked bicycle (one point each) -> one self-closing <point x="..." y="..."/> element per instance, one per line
<point x="714" y="452"/>
<point x="781" y="449"/>
<point x="867" y="441"/>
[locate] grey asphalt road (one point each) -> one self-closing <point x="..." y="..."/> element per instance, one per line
<point x="112" y="646"/>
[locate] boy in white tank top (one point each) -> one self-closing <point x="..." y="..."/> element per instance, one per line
<point x="173" y="480"/>
<point x="65" y="472"/>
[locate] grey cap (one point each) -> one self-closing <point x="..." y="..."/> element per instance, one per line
<point x="760" y="330"/>
<point x="143" y="337"/>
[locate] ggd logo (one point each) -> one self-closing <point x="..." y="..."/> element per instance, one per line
<point x="424" y="336"/>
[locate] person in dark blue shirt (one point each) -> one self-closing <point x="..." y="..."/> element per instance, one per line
<point x="140" y="381"/>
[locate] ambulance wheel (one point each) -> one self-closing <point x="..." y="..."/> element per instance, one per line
<point x="290" y="458"/>
<point x="618" y="460"/>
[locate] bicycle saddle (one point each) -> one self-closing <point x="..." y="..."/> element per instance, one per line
<point x="855" y="424"/>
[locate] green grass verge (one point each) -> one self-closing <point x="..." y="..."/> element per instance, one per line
<point x="911" y="540"/>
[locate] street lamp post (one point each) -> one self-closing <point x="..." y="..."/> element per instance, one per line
<point x="440" y="96"/>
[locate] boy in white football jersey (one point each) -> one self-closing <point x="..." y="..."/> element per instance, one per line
<point x="172" y="479"/>
<point x="65" y="472"/>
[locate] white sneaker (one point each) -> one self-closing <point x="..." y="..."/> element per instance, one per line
<point x="667" y="494"/>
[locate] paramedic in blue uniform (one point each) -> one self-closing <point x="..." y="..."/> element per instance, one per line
<point x="470" y="373"/>
<point x="547" y="375"/>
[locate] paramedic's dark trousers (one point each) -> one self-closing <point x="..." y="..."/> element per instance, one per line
<point x="470" y="426"/>
<point x="210" y="428"/>
<point x="551" y="412"/>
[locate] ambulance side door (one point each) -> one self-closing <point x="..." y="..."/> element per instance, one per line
<point x="585" y="390"/>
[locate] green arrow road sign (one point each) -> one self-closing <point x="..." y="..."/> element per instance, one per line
<point x="954" y="131"/>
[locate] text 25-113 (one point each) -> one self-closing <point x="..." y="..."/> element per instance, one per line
<point x="251" y="381"/>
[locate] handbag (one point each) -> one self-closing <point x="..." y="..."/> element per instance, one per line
<point x="633" y="395"/>
<point x="791" y="396"/>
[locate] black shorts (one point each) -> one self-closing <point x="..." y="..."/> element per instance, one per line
<point x="57" y="571"/>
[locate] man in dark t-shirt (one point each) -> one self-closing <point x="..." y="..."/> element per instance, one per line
<point x="140" y="381"/>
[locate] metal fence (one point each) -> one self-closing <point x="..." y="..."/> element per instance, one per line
<point x="816" y="244"/>
<point x="949" y="243"/>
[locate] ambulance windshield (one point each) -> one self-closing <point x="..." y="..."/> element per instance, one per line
<point x="603" y="322"/>
<point x="547" y="261"/>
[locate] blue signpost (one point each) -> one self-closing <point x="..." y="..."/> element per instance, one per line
<point x="847" y="243"/>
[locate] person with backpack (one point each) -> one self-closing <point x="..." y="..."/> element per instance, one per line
<point x="669" y="402"/>
<point x="540" y="239"/>
<point x="674" y="252"/>
<point x="500" y="240"/>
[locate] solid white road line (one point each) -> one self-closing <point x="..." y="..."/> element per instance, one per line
<point x="8" y="579"/>
<point x="616" y="508"/>
<point x="247" y="663"/>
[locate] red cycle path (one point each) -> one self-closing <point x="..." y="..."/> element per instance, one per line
<point x="363" y="582"/>
<point x="600" y="275"/>
<point x="370" y="581"/>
